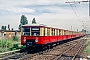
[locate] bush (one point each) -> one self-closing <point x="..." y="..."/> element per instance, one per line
<point x="87" y="50"/>
<point x="8" y="45"/>
<point x="5" y="43"/>
<point x="3" y="50"/>
<point x="15" y="38"/>
<point x="22" y="47"/>
<point x="15" y="47"/>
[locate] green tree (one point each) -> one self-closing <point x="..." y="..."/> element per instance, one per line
<point x="19" y="27"/>
<point x="3" y="28"/>
<point x="33" y="21"/>
<point x="23" y="21"/>
<point x="15" y="38"/>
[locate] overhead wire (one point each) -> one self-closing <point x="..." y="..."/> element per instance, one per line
<point x="79" y="16"/>
<point x="84" y="26"/>
<point x="75" y="13"/>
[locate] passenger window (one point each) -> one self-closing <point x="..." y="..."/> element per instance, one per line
<point x="64" y="32"/>
<point x="44" y="32"/>
<point x="48" y="32"/>
<point x="54" y="32"/>
<point x="59" y="32"/>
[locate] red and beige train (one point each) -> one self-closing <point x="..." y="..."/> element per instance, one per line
<point x="40" y="35"/>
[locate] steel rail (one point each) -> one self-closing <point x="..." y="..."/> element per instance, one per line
<point x="78" y="51"/>
<point x="10" y="52"/>
<point x="59" y="56"/>
<point x="42" y="52"/>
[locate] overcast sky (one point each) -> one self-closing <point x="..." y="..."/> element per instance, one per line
<point x="55" y="13"/>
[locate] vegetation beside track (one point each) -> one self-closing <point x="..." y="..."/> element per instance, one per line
<point x="9" y="45"/>
<point x="87" y="50"/>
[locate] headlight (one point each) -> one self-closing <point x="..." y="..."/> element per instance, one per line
<point x="24" y="39"/>
<point x="36" y="40"/>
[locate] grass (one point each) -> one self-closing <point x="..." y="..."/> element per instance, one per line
<point x="87" y="50"/>
<point x="8" y="45"/>
<point x="5" y="43"/>
<point x="3" y="49"/>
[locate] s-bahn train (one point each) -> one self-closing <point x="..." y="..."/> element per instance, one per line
<point x="36" y="35"/>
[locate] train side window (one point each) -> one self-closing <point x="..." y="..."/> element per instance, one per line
<point x="54" y="32"/>
<point x="44" y="32"/>
<point x="64" y="32"/>
<point x="59" y="32"/>
<point x="48" y="32"/>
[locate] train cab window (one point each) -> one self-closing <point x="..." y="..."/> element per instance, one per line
<point x="26" y="31"/>
<point x="35" y="31"/>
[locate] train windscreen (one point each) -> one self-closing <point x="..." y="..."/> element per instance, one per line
<point x="35" y="31"/>
<point x="26" y="31"/>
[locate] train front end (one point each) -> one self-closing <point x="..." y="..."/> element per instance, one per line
<point x="30" y="35"/>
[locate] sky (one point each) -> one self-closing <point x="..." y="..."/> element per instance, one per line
<point x="55" y="13"/>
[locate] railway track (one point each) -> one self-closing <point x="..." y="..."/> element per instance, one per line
<point x="55" y="53"/>
<point x="72" y="54"/>
<point x="13" y="56"/>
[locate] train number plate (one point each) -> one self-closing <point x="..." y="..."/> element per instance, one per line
<point x="29" y="43"/>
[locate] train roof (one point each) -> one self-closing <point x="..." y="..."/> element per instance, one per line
<point x="40" y="25"/>
<point x="34" y="25"/>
